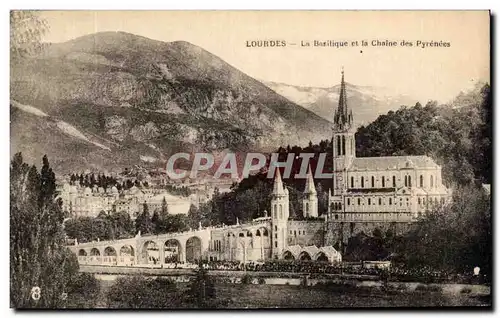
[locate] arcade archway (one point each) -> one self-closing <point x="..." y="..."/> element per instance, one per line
<point x="150" y="253"/>
<point x="110" y="255"/>
<point x="288" y="256"/>
<point x="109" y="251"/>
<point x="173" y="251"/>
<point x="322" y="257"/>
<point x="304" y="256"/>
<point x="127" y="255"/>
<point x="193" y="249"/>
<point x="95" y="252"/>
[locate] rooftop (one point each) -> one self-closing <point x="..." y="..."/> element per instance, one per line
<point x="392" y="162"/>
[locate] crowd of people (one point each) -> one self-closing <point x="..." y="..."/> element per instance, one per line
<point x="289" y="266"/>
<point x="392" y="273"/>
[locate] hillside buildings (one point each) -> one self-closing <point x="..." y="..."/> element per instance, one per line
<point x="81" y="201"/>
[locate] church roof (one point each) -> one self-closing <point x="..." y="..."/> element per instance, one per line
<point x="371" y="190"/>
<point x="311" y="250"/>
<point x="392" y="163"/>
<point x="294" y="249"/>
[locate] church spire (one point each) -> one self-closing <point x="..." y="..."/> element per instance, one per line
<point x="343" y="115"/>
<point x="310" y="188"/>
<point x="278" y="183"/>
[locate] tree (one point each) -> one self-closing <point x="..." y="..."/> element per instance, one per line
<point x="26" y="31"/>
<point x="164" y="208"/>
<point x="201" y="291"/>
<point x="456" y="237"/>
<point x="194" y="217"/>
<point x="38" y="256"/>
<point x="143" y="221"/>
<point x="157" y="223"/>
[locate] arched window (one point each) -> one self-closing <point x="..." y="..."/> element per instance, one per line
<point x="352" y="182"/>
<point x="383" y="182"/>
<point x="432" y="181"/>
<point x="348" y="201"/>
<point x="419" y="201"/>
<point x="406" y="181"/>
<point x="421" y="181"/>
<point x="379" y="201"/>
<point x="390" y="201"/>
<point x="307" y="207"/>
<point x="362" y="182"/>
<point x="369" y="201"/>
<point x="409" y="181"/>
<point x="373" y="182"/>
<point x="281" y="211"/>
<point x="275" y="211"/>
<point x="359" y="201"/>
<point x="343" y="145"/>
<point x="338" y="146"/>
<point x="393" y="181"/>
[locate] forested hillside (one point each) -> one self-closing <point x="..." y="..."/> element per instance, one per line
<point x="458" y="136"/>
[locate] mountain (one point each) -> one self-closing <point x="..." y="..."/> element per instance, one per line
<point x="118" y="98"/>
<point x="367" y="102"/>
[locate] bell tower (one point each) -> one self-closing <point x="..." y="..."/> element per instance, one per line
<point x="310" y="201"/>
<point x="279" y="216"/>
<point x="344" y="143"/>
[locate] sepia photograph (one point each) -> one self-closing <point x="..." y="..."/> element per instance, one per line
<point x="250" y="160"/>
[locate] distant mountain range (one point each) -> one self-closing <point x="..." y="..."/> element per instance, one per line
<point x="367" y="102"/>
<point x="113" y="99"/>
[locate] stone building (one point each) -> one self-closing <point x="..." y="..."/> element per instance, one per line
<point x="385" y="192"/>
<point x="388" y="193"/>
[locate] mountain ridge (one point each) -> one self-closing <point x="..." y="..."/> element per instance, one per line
<point x="367" y="102"/>
<point x="172" y="96"/>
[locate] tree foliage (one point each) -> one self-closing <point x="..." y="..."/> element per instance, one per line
<point x="26" y="31"/>
<point x="456" y="237"/>
<point x="112" y="226"/>
<point x="457" y="136"/>
<point x="38" y="257"/>
<point x="201" y="292"/>
<point x="144" y="292"/>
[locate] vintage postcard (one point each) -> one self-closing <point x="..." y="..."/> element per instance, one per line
<point x="250" y="159"/>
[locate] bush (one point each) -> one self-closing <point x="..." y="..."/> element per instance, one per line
<point x="247" y="279"/>
<point x="85" y="284"/>
<point x="262" y="281"/>
<point x="143" y="292"/>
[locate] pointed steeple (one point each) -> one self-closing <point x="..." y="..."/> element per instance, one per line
<point x="343" y="115"/>
<point x="310" y="188"/>
<point x="278" y="183"/>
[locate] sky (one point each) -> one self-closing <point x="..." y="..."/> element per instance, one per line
<point x="438" y="73"/>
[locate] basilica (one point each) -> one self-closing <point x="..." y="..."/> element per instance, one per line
<point x="388" y="193"/>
